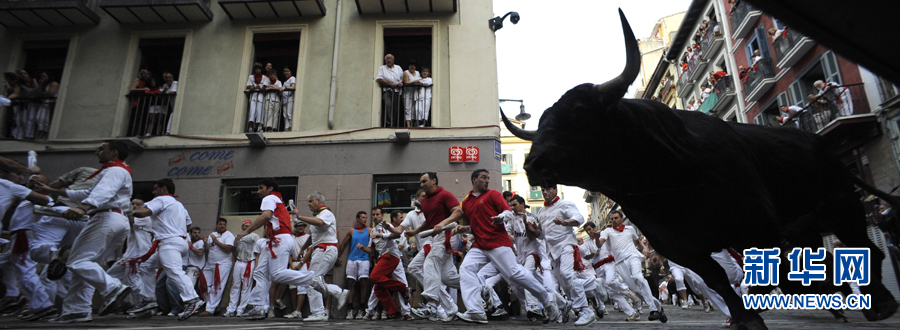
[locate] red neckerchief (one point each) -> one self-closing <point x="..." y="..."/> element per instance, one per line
<point x="358" y="227"/>
<point x="112" y="163"/>
<point x="619" y="228"/>
<point x="578" y="265"/>
<point x="550" y="203"/>
<point x="301" y="234"/>
<point x="271" y="81"/>
<point x="320" y="209"/>
<point x="258" y="78"/>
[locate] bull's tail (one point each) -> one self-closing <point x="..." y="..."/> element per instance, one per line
<point x="894" y="201"/>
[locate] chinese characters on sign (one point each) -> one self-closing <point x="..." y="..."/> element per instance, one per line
<point x="851" y="265"/>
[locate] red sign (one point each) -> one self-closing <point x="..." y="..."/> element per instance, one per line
<point x="472" y="154"/>
<point x="456" y="154"/>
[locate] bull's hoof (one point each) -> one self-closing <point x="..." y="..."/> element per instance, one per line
<point x="881" y="310"/>
<point x="752" y="324"/>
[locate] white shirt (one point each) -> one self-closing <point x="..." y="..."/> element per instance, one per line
<point x="289" y="95"/>
<point x="269" y="203"/>
<point x="621" y="243"/>
<point x="251" y="82"/>
<point x="10" y="192"/>
<point x="193" y="259"/>
<point x="525" y="246"/>
<point x="426" y="82"/>
<point x="139" y="238"/>
<point x="216" y="254"/>
<point x="299" y="241"/>
<point x="558" y="236"/>
<point x="112" y="190"/>
<point x="273" y="96"/>
<point x="413" y="220"/>
<point x="326" y="233"/>
<point x="169" y="217"/>
<point x="262" y="245"/>
<point x="23" y="218"/>
<point x="587" y="248"/>
<point x="172" y="89"/>
<point x="392" y="75"/>
<point x="383" y="245"/>
<point x="246" y="247"/>
<point x="74" y="180"/>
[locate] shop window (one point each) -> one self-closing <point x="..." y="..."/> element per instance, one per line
<point x="395" y="192"/>
<point x="239" y="197"/>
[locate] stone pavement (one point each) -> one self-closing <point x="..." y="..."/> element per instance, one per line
<point x="694" y="318"/>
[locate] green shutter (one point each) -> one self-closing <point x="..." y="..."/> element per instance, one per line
<point x="797" y="94"/>
<point x="831" y="69"/>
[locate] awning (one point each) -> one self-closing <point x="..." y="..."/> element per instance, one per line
<point x="153" y="11"/>
<point x="405" y="6"/>
<point x="46" y="13"/>
<point x="249" y="9"/>
<point x="850" y="132"/>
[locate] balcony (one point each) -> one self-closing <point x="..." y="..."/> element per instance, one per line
<point x="394" y="107"/>
<point x="685" y="85"/>
<point x="20" y="127"/>
<point x="535" y="194"/>
<point x="664" y="90"/>
<point x="270" y="110"/>
<point x="743" y="17"/>
<point x="157" y="11"/>
<point x="698" y="68"/>
<point x="840" y="114"/>
<point x="759" y="79"/>
<point x="250" y="9"/>
<point x="46" y="13"/>
<point x="711" y="41"/>
<point x="151" y="113"/>
<point x="720" y="98"/>
<point x="790" y="47"/>
<point x="507" y="168"/>
<point x="365" y="7"/>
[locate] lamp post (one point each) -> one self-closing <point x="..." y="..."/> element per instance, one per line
<point x="522" y="116"/>
<point x="496" y="23"/>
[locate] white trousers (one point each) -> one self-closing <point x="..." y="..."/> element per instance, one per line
<point x="732" y="269"/>
<point x="287" y="111"/>
<point x="20" y="267"/>
<point x="437" y="270"/>
<point x="505" y="261"/>
<point x="101" y="237"/>
<point x="415" y="267"/>
<point x="276" y="270"/>
<point x="169" y="256"/>
<point x="400" y="275"/>
<point x="678" y="275"/>
<point x="42" y="118"/>
<point x="213" y="293"/>
<point x="614" y="286"/>
<point x="569" y="282"/>
<point x="256" y="108"/>
<point x="240" y="286"/>
<point x="698" y="284"/>
<point x="320" y="263"/>
<point x="630" y="271"/>
<point x="50" y="233"/>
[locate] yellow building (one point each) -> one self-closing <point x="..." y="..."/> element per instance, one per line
<point x="652" y="49"/>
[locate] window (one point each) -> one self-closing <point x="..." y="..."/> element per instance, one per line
<point x="409" y="46"/>
<point x="239" y="197"/>
<point x="151" y="98"/>
<point x="887" y="89"/>
<point x="506" y="164"/>
<point x="41" y="57"/>
<point x="395" y="192"/>
<point x="270" y="107"/>
<point x="507" y="186"/>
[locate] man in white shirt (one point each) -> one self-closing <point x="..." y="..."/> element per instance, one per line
<point x="218" y="265"/>
<point x="390" y="78"/>
<point x="622" y="240"/>
<point x="170" y="226"/>
<point x="242" y="274"/>
<point x="106" y="203"/>
<point x="413" y="220"/>
<point x="604" y="267"/>
<point x="194" y="259"/>
<point x="170" y="88"/>
<point x="140" y="238"/>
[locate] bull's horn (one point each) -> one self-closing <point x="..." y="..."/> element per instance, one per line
<point x="618" y="86"/>
<point x="515" y="130"/>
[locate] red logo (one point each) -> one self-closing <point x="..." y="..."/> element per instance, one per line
<point x="472" y="154"/>
<point x="224" y="167"/>
<point x="176" y="159"/>
<point x="456" y="154"/>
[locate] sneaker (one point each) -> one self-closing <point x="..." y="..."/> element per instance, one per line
<point x="498" y="312"/>
<point x="586" y="318"/>
<point x="350" y="315"/>
<point x="342" y="298"/>
<point x="205" y="314"/>
<point x="229" y="314"/>
<point x="707" y="307"/>
<point x="616" y="307"/>
<point x="427" y="312"/>
<point x="369" y="317"/>
<point x="316" y="318"/>
<point x="727" y="323"/>
<point x="360" y="314"/>
<point x="115" y="300"/>
<point x="319" y="285"/>
<point x="294" y="315"/>
<point x="271" y="313"/>
<point x="190" y="308"/>
<point x="393" y="317"/>
<point x="551" y="312"/>
<point x="384" y="315"/>
<point x="72" y="318"/>
<point x="56" y="269"/>
<point x="143" y="305"/>
<point x="407" y="317"/>
<point x="533" y="315"/>
<point x="279" y="304"/>
<point x="566" y="311"/>
<point x="658" y="315"/>
<point x="38" y="314"/>
<point x="684" y="305"/>
<point x="633" y="317"/>
<point x="172" y="314"/>
<point x="446" y="317"/>
<point x="257" y="313"/>
<point x="472" y="318"/>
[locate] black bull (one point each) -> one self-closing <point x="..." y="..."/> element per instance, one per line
<point x="686" y="177"/>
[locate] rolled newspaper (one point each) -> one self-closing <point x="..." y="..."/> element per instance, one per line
<point x="32" y="158"/>
<point x="430" y="232"/>
<point x="49" y="211"/>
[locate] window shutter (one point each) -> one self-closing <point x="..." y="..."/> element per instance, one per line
<point x="831" y="69"/>
<point x="763" y="42"/>
<point x="797" y="95"/>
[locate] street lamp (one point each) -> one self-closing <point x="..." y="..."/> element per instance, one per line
<point x="522" y="116"/>
<point x="496" y="23"/>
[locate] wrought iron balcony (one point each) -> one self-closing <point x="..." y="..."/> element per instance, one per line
<point x="712" y="40"/>
<point x="157" y="11"/>
<point x="365" y="7"/>
<point x="684" y="83"/>
<point x="828" y="109"/>
<point x="790" y="46"/>
<point x="742" y="18"/>
<point x="720" y="97"/>
<point x="46" y="13"/>
<point x="249" y="9"/>
<point x="759" y="79"/>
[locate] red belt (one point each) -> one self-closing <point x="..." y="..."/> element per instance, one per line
<point x="603" y="261"/>
<point x="119" y="211"/>
<point x="325" y="246"/>
<point x="578" y="265"/>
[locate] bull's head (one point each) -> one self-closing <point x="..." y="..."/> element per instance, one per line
<point x="565" y="130"/>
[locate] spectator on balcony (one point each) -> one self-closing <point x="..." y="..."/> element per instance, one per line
<point x="743" y="73"/>
<point x="49" y="89"/>
<point x="140" y="83"/>
<point x="274" y="90"/>
<point x="25" y="113"/>
<point x="705" y="90"/>
<point x="138" y="107"/>
<point x="268" y="67"/>
<point x="170" y="88"/>
<point x="423" y="104"/>
<point x="774" y="33"/>
<point x="818" y="106"/>
<point x="756" y="58"/>
<point x="734" y="5"/>
<point x="156" y="107"/>
<point x="287" y="106"/>
<point x="411" y="79"/>
<point x="390" y="78"/>
<point x="790" y="113"/>
<point x="255" y="84"/>
<point x="838" y="94"/>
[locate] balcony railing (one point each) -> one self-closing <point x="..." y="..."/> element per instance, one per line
<point x="507" y="168"/>
<point x="834" y="103"/>
<point x="757" y="73"/>
<point x="151" y="113"/>
<point x="742" y="17"/>
<point x="722" y="87"/>
<point x="709" y="43"/>
<point x="409" y="108"/>
<point x="270" y="110"/>
<point x="785" y="42"/>
<point x="31" y="118"/>
<point x="664" y="91"/>
<point x="790" y="46"/>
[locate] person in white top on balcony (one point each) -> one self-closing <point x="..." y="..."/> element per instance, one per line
<point x="287" y="106"/>
<point x="218" y="264"/>
<point x="27" y="89"/>
<point x="755" y="58"/>
<point x="49" y="91"/>
<point x="170" y="88"/>
<point x="411" y="79"/>
<point x="622" y="240"/>
<point x="170" y="223"/>
<point x="274" y="90"/>
<point x="836" y="93"/>
<point x="106" y="202"/>
<point x="242" y="274"/>
<point x="255" y="84"/>
<point x="423" y="103"/>
<point x="390" y="78"/>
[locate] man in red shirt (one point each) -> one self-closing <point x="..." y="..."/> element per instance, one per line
<point x="486" y="211"/>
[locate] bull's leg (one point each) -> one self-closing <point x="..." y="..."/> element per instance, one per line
<point x="846" y="218"/>
<point x="716" y="279"/>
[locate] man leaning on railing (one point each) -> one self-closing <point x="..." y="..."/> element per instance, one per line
<point x="390" y="78"/>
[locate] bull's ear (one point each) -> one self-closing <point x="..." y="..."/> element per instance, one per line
<point x="614" y="89"/>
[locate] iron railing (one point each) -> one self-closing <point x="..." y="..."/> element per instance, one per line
<point x="151" y="113"/>
<point x="722" y="87"/>
<point x="408" y="108"/>
<point x="31" y="117"/>
<point x="738" y="13"/>
<point x="708" y="37"/>
<point x="835" y="102"/>
<point x="787" y="39"/>
<point x="270" y="110"/>
<point x="756" y="73"/>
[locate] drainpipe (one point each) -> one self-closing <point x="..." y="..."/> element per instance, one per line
<point x="334" y="65"/>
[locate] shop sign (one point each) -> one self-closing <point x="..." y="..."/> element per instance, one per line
<point x="472" y="154"/>
<point x="456" y="154"/>
<point x="198" y="164"/>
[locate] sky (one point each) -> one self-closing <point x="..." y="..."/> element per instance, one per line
<point x="560" y="44"/>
